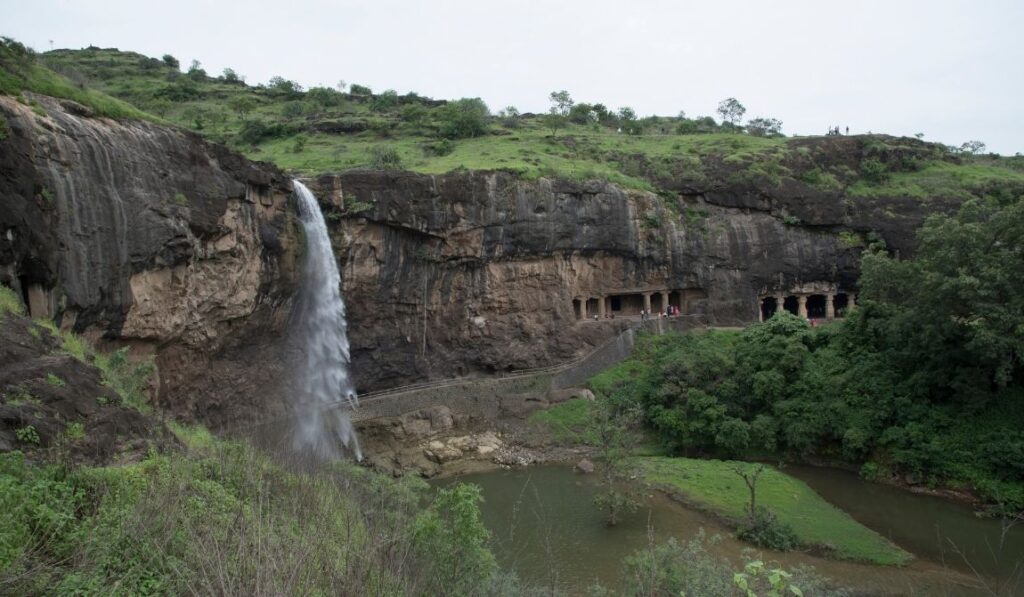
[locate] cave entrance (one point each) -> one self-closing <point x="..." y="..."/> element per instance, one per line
<point x="791" y="304"/>
<point x="592" y="307"/>
<point x="657" y="302"/>
<point x="675" y="299"/>
<point x="842" y="303"/>
<point x="769" y="305"/>
<point x="816" y="306"/>
<point x="627" y="304"/>
<point x="577" y="309"/>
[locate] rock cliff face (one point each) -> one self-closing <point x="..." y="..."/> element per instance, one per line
<point x="142" y="235"/>
<point x="468" y="272"/>
<point x="137" y="234"/>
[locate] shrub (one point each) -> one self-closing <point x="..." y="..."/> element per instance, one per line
<point x="75" y="431"/>
<point x="765" y="530"/>
<point x="873" y="171"/>
<point x="27" y="435"/>
<point x="386" y="158"/>
<point x="362" y="90"/>
<point x="463" y="118"/>
<point x="55" y="380"/>
<point x="440" y="148"/>
<point x="10" y="302"/>
<point x="170" y="61"/>
<point x="452" y="537"/>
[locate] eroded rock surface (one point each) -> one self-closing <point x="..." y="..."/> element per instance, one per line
<point x="476" y="272"/>
<point x="137" y="234"/>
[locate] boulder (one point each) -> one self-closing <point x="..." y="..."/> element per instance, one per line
<point x="584" y="466"/>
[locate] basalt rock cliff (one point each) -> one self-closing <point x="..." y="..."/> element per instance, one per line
<point x="137" y="234"/>
<point x="131" y="233"/>
<point x="478" y="271"/>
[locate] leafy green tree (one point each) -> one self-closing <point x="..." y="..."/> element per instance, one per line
<point x="450" y="535"/>
<point x="615" y="428"/>
<point x="764" y="127"/>
<point x="361" y="90"/>
<point x="195" y="71"/>
<point x="282" y="86"/>
<point x="561" y="102"/>
<point x="628" y="121"/>
<point x="973" y="147"/>
<point x="510" y="117"/>
<point x="415" y="114"/>
<point x="242" y="105"/>
<point x="170" y="61"/>
<point x="325" y="97"/>
<point x="385" y="101"/>
<point x="953" y="315"/>
<point x="463" y="118"/>
<point x="731" y="111"/>
<point x="230" y="76"/>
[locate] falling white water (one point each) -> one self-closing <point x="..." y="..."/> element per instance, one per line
<point x="324" y="425"/>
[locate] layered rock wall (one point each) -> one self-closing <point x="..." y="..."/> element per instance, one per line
<point x="138" y="234"/>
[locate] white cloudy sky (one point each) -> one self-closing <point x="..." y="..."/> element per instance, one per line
<point x="953" y="70"/>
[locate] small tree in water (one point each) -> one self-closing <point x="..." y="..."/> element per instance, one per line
<point x="615" y="429"/>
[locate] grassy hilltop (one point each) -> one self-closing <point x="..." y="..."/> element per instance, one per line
<point x="323" y="129"/>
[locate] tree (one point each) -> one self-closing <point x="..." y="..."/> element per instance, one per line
<point x="324" y="97"/>
<point x="764" y="127"/>
<point x="159" y="106"/>
<point x="230" y="76"/>
<point x="628" y="121"/>
<point x="341" y="85"/>
<point x="195" y="71"/>
<point x="731" y="111"/>
<point x="284" y="86"/>
<point x="950" y="319"/>
<point x="362" y="90"/>
<point x="509" y="117"/>
<point x="558" y="114"/>
<point x="614" y="427"/>
<point x="973" y="147"/>
<point x="414" y="114"/>
<point x="242" y="105"/>
<point x="170" y="61"/>
<point x="450" y="535"/>
<point x="561" y="102"/>
<point x="463" y="118"/>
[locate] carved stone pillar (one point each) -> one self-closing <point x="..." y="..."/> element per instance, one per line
<point x="851" y="302"/>
<point x="802" y="306"/>
<point x="647" y="302"/>
<point x="780" y="303"/>
<point x="600" y="306"/>
<point x="830" y="306"/>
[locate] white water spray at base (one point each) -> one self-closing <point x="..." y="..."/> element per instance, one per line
<point x="324" y="425"/>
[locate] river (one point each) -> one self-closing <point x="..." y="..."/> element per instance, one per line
<point x="545" y="527"/>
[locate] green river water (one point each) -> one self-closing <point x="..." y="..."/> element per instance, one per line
<point x="545" y="527"/>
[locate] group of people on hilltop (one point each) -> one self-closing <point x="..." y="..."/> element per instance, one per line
<point x="834" y="131"/>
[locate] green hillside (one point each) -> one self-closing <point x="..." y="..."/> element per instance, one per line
<point x="323" y="129"/>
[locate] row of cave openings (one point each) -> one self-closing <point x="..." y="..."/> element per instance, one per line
<point x="809" y="306"/>
<point x="684" y="302"/>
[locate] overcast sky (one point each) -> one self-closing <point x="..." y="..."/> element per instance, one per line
<point x="953" y="70"/>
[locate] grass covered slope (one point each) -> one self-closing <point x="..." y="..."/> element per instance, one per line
<point x="21" y="71"/>
<point x="323" y="129"/>
<point x="714" y="485"/>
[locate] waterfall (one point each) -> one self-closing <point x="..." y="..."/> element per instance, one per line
<point x="323" y="422"/>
